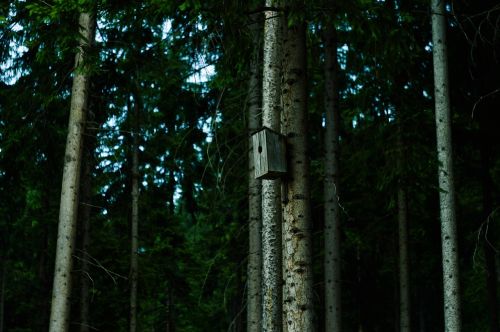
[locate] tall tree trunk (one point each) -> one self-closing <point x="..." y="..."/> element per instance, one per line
<point x="451" y="283"/>
<point x="404" y="274"/>
<point x="254" y="270"/>
<point x="85" y="238"/>
<point x="333" y="291"/>
<point x="135" y="216"/>
<point x="61" y="291"/>
<point x="271" y="189"/>
<point x="298" y="298"/>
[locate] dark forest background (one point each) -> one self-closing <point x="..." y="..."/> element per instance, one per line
<point x="187" y="63"/>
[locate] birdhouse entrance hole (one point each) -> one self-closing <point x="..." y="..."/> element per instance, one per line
<point x="269" y="154"/>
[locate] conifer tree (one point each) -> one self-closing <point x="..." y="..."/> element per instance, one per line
<point x="134" y="232"/>
<point x="68" y="210"/>
<point x="402" y="204"/>
<point x="271" y="189"/>
<point x="449" y="241"/>
<point x="298" y="304"/>
<point x="332" y="261"/>
<point x="254" y="270"/>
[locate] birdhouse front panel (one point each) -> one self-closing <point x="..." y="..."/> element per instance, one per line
<point x="269" y="154"/>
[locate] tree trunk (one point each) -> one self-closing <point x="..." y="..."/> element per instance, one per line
<point x="254" y="270"/>
<point x="271" y="189"/>
<point x="135" y="216"/>
<point x="85" y="235"/>
<point x="298" y="301"/>
<point x="404" y="275"/>
<point x="452" y="310"/>
<point x="333" y="294"/>
<point x="404" y="263"/>
<point x="61" y="291"/>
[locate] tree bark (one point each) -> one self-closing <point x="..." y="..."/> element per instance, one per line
<point x="402" y="203"/>
<point x="271" y="189"/>
<point x="134" y="264"/>
<point x="254" y="270"/>
<point x="333" y="291"/>
<point x="61" y="291"/>
<point x="451" y="284"/>
<point x="298" y="301"/>
<point x="404" y="275"/>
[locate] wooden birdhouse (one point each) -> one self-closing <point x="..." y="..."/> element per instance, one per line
<point x="269" y="154"/>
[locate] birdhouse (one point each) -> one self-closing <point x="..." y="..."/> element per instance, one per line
<point x="269" y="154"/>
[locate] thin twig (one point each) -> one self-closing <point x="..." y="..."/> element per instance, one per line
<point x="96" y="263"/>
<point x="478" y="239"/>
<point x="481" y="99"/>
